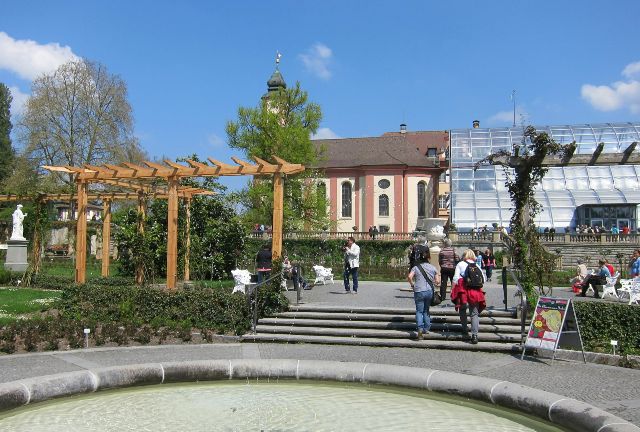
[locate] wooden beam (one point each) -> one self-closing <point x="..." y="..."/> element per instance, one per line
<point x="241" y="162"/>
<point x="187" y="254"/>
<point x="172" y="233"/>
<point x="278" y="200"/>
<point x="81" y="233"/>
<point x="223" y="166"/>
<point x="106" y="237"/>
<point x="596" y="153"/>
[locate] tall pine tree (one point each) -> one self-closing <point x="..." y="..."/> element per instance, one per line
<point x="6" y="150"/>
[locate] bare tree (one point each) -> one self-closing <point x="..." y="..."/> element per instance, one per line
<point x="79" y="115"/>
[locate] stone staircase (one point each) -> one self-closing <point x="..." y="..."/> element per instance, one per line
<point x="386" y="327"/>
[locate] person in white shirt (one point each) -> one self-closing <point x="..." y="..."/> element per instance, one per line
<point x="351" y="264"/>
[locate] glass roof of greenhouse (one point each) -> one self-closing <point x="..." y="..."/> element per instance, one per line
<point x="480" y="197"/>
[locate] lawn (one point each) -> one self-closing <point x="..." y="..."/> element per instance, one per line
<point x="21" y="302"/>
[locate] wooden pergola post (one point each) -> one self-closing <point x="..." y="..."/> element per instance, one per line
<point x="106" y="237"/>
<point x="187" y="254"/>
<point x="172" y="233"/>
<point x="142" y="214"/>
<point x="37" y="237"/>
<point x="81" y="233"/>
<point x="278" y="202"/>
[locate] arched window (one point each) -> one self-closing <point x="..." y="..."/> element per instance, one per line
<point x="383" y="205"/>
<point x="422" y="195"/>
<point x="346" y="200"/>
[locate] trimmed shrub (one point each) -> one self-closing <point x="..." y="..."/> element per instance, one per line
<point x="601" y="322"/>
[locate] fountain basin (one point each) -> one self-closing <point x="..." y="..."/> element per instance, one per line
<point x="567" y="413"/>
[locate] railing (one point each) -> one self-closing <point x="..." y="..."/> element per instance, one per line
<point x="252" y="299"/>
<point x="524" y="307"/>
<point x="338" y="235"/>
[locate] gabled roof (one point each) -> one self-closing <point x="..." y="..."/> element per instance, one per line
<point x="389" y="149"/>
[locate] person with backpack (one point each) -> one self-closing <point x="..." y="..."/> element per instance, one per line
<point x="468" y="281"/>
<point x="423" y="279"/>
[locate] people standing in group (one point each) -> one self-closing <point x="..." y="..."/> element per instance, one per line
<point x="263" y="263"/>
<point x="488" y="262"/>
<point x="595" y="280"/>
<point x="351" y="264"/>
<point x="447" y="260"/>
<point x="423" y="279"/>
<point x="634" y="266"/>
<point x="375" y="232"/>
<point x="467" y="293"/>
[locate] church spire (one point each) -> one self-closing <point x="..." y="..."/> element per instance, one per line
<point x="276" y="82"/>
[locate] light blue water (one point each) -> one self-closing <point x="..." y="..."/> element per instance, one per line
<point x="252" y="406"/>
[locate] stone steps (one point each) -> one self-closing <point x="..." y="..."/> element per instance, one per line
<point x="386" y="326"/>
<point x="383" y="342"/>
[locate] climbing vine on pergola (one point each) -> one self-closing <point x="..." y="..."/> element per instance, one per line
<point x="138" y="177"/>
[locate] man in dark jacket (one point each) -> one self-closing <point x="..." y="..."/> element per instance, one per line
<point x="263" y="263"/>
<point x="447" y="260"/>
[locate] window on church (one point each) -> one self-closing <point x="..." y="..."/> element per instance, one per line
<point x="432" y="152"/>
<point x="346" y="200"/>
<point x="383" y="205"/>
<point x="422" y="198"/>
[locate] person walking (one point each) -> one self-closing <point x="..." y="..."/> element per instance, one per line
<point x="351" y="264"/>
<point x="467" y="293"/>
<point x="423" y="279"/>
<point x="263" y="263"/>
<point x="489" y="263"/>
<point x="447" y="260"/>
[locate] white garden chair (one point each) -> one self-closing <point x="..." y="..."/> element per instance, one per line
<point x="323" y="274"/>
<point x="634" y="293"/>
<point x="241" y="278"/>
<point x="625" y="288"/>
<point x="610" y="287"/>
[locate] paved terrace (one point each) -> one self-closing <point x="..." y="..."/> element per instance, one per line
<point x="613" y="389"/>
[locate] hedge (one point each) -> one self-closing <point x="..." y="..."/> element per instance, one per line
<point x="601" y="322"/>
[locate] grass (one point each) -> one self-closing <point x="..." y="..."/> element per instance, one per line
<point x="66" y="267"/>
<point x="18" y="302"/>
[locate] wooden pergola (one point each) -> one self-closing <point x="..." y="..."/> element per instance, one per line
<point x="107" y="198"/>
<point x="136" y="177"/>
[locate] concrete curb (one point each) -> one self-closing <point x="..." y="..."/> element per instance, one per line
<point x="569" y="413"/>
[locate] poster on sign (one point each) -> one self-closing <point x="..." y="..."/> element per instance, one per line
<point x="554" y="323"/>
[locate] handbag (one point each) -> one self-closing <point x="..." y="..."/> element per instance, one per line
<point x="435" y="298"/>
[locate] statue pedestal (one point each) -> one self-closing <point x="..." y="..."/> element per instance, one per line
<point x="16" y="256"/>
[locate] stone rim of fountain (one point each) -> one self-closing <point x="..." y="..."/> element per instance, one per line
<point x="565" y="412"/>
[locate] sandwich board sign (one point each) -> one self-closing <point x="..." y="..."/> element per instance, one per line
<point x="554" y="325"/>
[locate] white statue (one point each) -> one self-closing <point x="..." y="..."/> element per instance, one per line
<point x="18" y="219"/>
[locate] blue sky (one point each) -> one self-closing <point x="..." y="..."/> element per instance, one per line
<point x="371" y="65"/>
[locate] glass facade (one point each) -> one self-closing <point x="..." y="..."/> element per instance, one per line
<point x="480" y="197"/>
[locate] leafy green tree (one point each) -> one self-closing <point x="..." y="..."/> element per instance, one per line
<point x="6" y="150"/>
<point x="524" y="172"/>
<point x="281" y="125"/>
<point x="217" y="236"/>
<point x="78" y="115"/>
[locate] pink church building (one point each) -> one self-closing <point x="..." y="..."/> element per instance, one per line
<point x="391" y="181"/>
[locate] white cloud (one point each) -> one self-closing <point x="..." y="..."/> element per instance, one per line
<point x="632" y="70"/>
<point x="522" y="116"/>
<point x="30" y="59"/>
<point x="215" y="140"/>
<point x="618" y="95"/>
<point x="19" y="101"/>
<point x="324" y="133"/>
<point x="317" y="60"/>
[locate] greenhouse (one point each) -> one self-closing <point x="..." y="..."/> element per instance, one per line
<point x="604" y="195"/>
